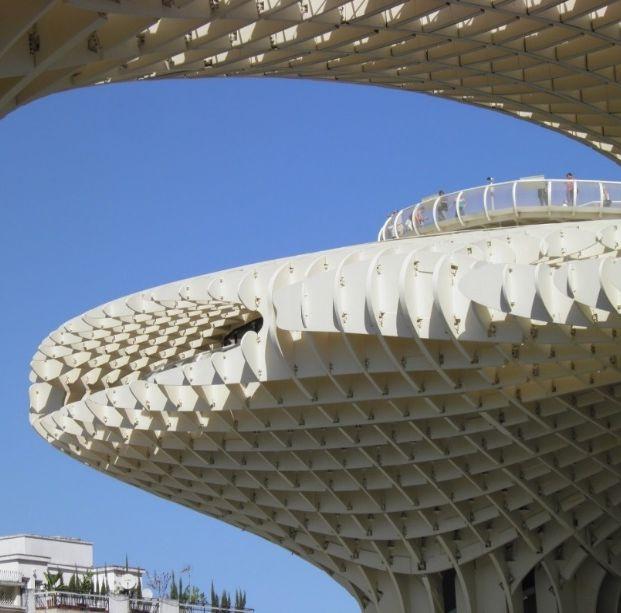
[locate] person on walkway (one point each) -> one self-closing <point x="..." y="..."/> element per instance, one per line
<point x="419" y="216"/>
<point x="570" y="189"/>
<point x="442" y="208"/>
<point x="606" y="196"/>
<point x="490" y="193"/>
<point x="542" y="193"/>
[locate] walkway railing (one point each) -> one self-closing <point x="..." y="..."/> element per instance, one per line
<point x="532" y="197"/>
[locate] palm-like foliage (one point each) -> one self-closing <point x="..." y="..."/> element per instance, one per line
<point x="54" y="581"/>
<point x="86" y="584"/>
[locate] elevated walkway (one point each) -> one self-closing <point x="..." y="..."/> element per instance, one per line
<point x="524" y="201"/>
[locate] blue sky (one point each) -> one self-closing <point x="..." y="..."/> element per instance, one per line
<point x="110" y="190"/>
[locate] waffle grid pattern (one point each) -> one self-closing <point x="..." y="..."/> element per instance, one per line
<point x="557" y="64"/>
<point x="430" y="410"/>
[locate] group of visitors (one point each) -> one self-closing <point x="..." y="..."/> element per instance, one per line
<point x="443" y="205"/>
<point x="419" y="218"/>
<point x="570" y="191"/>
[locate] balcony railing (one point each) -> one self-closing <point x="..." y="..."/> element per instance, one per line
<point x="529" y="200"/>
<point x="138" y="605"/>
<point x="10" y="576"/>
<point x="92" y="602"/>
<point x="69" y="600"/>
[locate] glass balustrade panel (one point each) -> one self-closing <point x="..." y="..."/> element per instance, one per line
<point x="398" y="227"/>
<point x="561" y="193"/>
<point x="500" y="197"/>
<point x="531" y="193"/>
<point x="588" y="194"/>
<point x="423" y="216"/>
<point x="612" y="195"/>
<point x="470" y="204"/>
<point x="446" y="210"/>
<point x="389" y="230"/>
<point x="406" y="222"/>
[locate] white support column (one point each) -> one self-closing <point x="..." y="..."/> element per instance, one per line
<point x="28" y="601"/>
<point x="118" y="603"/>
<point x="169" y="606"/>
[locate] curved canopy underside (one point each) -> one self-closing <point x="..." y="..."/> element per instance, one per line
<point x="422" y="417"/>
<point x="557" y="64"/>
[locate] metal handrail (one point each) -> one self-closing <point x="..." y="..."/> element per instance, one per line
<point x="492" y="200"/>
<point x="144" y="605"/>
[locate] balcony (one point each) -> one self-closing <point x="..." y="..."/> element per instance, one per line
<point x="525" y="201"/>
<point x="92" y="602"/>
<point x="68" y="600"/>
<point x="143" y="605"/>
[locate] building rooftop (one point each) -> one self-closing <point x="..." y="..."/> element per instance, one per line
<point x="63" y="539"/>
<point x="528" y="200"/>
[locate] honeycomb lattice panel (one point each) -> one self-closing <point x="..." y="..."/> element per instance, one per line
<point x="557" y="64"/>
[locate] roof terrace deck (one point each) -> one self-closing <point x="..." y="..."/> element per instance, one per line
<point x="524" y="201"/>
